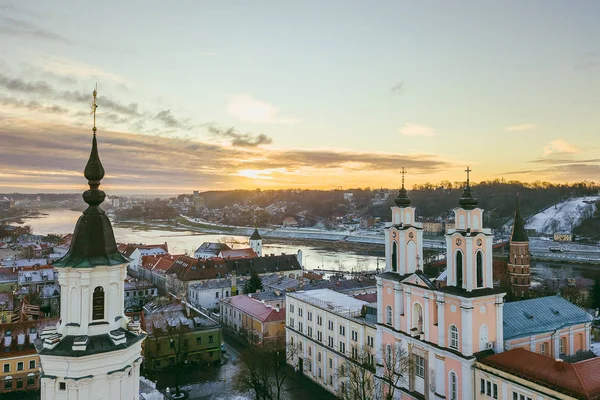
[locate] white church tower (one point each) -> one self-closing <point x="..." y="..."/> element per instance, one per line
<point x="256" y="242"/>
<point x="403" y="237"/>
<point x="94" y="352"/>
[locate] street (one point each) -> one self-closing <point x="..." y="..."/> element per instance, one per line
<point x="216" y="383"/>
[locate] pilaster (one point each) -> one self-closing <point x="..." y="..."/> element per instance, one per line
<point x="397" y="304"/>
<point x="426" y="320"/>
<point x="467" y="328"/>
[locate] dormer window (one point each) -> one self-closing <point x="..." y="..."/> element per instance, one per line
<point x="98" y="303"/>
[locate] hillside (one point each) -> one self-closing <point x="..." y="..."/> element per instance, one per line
<point x="563" y="216"/>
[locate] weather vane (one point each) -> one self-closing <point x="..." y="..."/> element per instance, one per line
<point x="94" y="106"/>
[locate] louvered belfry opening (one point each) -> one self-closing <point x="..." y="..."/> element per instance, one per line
<point x="98" y="303"/>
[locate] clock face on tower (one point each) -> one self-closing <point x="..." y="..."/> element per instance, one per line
<point x="411" y="235"/>
<point x="458" y="241"/>
<point x="393" y="234"/>
<point x="479" y="242"/>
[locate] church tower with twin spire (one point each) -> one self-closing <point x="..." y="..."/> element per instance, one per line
<point x="94" y="352"/>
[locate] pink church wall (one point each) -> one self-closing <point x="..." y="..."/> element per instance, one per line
<point x="487" y="318"/>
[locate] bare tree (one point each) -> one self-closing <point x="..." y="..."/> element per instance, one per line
<point x="358" y="376"/>
<point x="264" y="371"/>
<point x="167" y="343"/>
<point x="396" y="366"/>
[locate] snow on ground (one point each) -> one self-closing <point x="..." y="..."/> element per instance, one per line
<point x="596" y="348"/>
<point x="564" y="216"/>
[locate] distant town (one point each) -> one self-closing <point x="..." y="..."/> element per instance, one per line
<point x="217" y="310"/>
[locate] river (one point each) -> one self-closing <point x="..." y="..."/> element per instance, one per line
<point x="62" y="221"/>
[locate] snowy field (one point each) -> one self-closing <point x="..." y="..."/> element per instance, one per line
<point x="564" y="216"/>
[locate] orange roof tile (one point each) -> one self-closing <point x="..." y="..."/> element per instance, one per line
<point x="579" y="379"/>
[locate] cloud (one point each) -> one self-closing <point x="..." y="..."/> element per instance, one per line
<point x="20" y="28"/>
<point x="412" y="129"/>
<point x="248" y="109"/>
<point x="558" y="161"/>
<point x="42" y="87"/>
<point x="148" y="164"/>
<point x="70" y="68"/>
<point x="32" y="106"/>
<point x="559" y="146"/>
<point x="19" y="85"/>
<point x="522" y="127"/>
<point x="170" y="121"/>
<point x="240" y="139"/>
<point x="398" y="88"/>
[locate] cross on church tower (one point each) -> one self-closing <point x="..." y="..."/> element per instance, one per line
<point x="468" y="170"/>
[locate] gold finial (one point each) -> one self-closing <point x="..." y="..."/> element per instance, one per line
<point x="403" y="172"/>
<point x="94" y="106"/>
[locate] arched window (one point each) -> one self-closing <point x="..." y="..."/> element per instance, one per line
<point x="453" y="386"/>
<point x="389" y="356"/>
<point x="388" y="315"/>
<point x="479" y="269"/>
<point x="98" y="303"/>
<point x="459" y="268"/>
<point x="417" y="317"/>
<point x="394" y="256"/>
<point x="453" y="337"/>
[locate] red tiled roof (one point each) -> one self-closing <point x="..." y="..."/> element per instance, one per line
<point x="256" y="309"/>
<point x="368" y="297"/>
<point x="313" y="276"/>
<point x="579" y="379"/>
<point x="239" y="253"/>
<point x="163" y="264"/>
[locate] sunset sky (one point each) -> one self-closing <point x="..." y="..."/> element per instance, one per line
<point x="310" y="94"/>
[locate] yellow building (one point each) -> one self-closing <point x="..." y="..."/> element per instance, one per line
<point x="19" y="361"/>
<point x="563" y="237"/>
<point x="6" y="308"/>
<point x="257" y="322"/>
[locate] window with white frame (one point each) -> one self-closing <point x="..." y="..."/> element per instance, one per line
<point x="389" y="315"/>
<point x="342" y="347"/>
<point x="488" y="388"/>
<point x="370" y="341"/>
<point x="319" y="356"/>
<point x="292" y="322"/>
<point x="300" y="326"/>
<point x="519" y="396"/>
<point x="454" y="337"/>
<point x="309" y="331"/>
<point x="354" y="335"/>
<point x="419" y="366"/>
<point x="319" y="336"/>
<point x="299" y="312"/>
<point x="388" y="354"/>
<point x="453" y="386"/>
<point x="319" y="320"/>
<point x="309" y="315"/>
<point x="561" y="346"/>
<point x="354" y="352"/>
<point x="543" y="349"/>
<point x="291" y="308"/>
<point x="330" y="325"/>
<point x="330" y="341"/>
<point x="342" y="330"/>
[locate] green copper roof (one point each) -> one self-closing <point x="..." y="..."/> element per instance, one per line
<point x="518" y="232"/>
<point x="93" y="241"/>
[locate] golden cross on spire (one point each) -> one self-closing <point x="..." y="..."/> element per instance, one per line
<point x="403" y="172"/>
<point x="94" y="106"/>
<point x="468" y="170"/>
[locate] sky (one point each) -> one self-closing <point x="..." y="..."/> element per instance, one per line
<point x="205" y="95"/>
